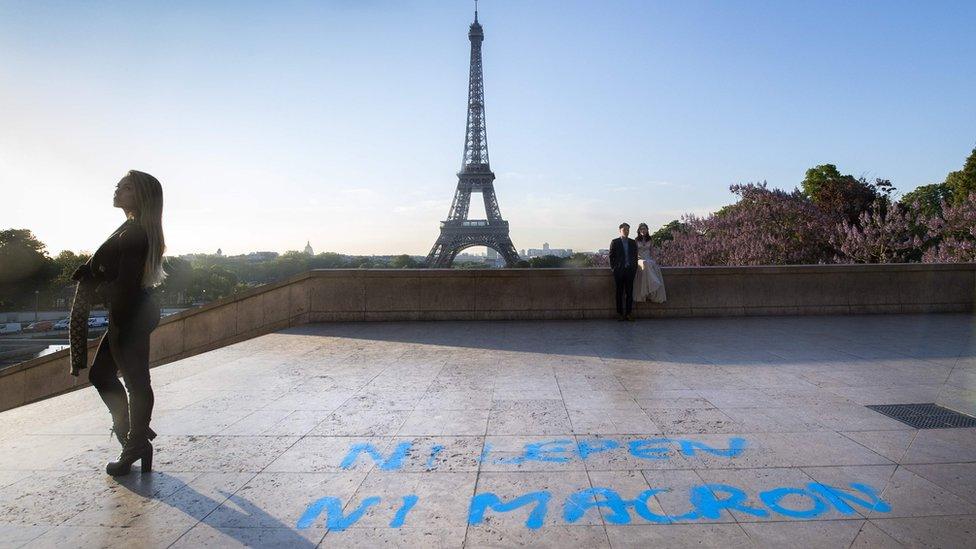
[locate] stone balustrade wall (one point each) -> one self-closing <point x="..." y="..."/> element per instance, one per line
<point x="520" y="294"/>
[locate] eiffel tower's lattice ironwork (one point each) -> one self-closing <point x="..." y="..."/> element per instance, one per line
<point x="458" y="232"/>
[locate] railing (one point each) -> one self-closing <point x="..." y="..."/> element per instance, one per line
<point x="474" y="223"/>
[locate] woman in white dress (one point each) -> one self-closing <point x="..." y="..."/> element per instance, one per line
<point x="649" y="284"/>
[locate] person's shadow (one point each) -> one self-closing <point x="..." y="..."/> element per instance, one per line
<point x="179" y="495"/>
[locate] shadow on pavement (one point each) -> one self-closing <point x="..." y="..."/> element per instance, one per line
<point x="728" y="340"/>
<point x="179" y="495"/>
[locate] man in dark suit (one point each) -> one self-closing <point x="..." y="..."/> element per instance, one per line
<point x="623" y="262"/>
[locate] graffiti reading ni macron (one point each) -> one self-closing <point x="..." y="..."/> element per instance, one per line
<point x="705" y="501"/>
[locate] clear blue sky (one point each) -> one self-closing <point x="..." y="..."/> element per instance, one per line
<point x="273" y="123"/>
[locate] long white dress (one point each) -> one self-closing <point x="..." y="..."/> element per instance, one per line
<point x="649" y="284"/>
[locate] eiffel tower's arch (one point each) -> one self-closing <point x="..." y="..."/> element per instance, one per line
<point x="456" y="241"/>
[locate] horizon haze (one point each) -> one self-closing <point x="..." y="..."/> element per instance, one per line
<point x="342" y="123"/>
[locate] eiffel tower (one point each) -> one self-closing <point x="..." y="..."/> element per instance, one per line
<point x="458" y="232"/>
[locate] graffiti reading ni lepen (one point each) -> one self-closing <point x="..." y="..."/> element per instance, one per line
<point x="705" y="501"/>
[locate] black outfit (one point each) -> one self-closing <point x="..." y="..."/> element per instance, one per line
<point x="623" y="262"/>
<point x="114" y="274"/>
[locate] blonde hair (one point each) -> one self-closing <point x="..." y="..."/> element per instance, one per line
<point x="149" y="202"/>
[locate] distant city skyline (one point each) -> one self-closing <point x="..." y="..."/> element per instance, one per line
<point x="309" y="250"/>
<point x="341" y="123"/>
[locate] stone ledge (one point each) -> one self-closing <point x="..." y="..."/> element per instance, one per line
<point x="521" y="294"/>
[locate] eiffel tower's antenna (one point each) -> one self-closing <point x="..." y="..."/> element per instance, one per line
<point x="476" y="138"/>
<point x="475" y="11"/>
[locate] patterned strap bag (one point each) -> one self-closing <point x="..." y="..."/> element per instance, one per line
<point x="78" y="323"/>
<point x="78" y="329"/>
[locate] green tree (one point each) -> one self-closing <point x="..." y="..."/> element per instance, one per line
<point x="929" y="198"/>
<point x="667" y="232"/>
<point x="404" y="261"/>
<point x="578" y="260"/>
<point x="961" y="183"/>
<point x="179" y="277"/>
<point x="291" y="263"/>
<point x="24" y="268"/>
<point x="843" y="196"/>
<point x="60" y="289"/>
<point x="362" y="262"/>
<point x="546" y="261"/>
<point x="328" y="260"/>
<point x="67" y="262"/>
<point x="817" y="177"/>
<point x="212" y="283"/>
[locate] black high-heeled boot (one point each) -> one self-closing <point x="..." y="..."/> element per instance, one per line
<point x="132" y="453"/>
<point x="122" y="434"/>
<point x="118" y="406"/>
<point x="137" y="446"/>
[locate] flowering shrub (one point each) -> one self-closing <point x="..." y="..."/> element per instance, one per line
<point x="774" y="227"/>
<point x="883" y="234"/>
<point x="765" y="227"/>
<point x="953" y="234"/>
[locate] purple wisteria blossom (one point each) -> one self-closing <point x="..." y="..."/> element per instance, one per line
<point x="953" y="234"/>
<point x="774" y="227"/>
<point x="883" y="234"/>
<point x="765" y="227"/>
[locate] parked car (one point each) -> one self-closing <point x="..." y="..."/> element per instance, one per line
<point x="10" y="328"/>
<point x="40" y="326"/>
<point x="61" y="324"/>
<point x="98" y="322"/>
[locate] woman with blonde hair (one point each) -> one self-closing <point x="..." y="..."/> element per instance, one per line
<point x="121" y="274"/>
<point x="649" y="283"/>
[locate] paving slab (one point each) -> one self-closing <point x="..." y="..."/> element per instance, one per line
<point x="735" y="432"/>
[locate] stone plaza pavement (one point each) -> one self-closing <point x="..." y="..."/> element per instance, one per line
<point x="682" y="432"/>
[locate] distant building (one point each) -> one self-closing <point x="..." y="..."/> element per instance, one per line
<point x="546" y="250"/>
<point x="193" y="257"/>
<point x="491" y="258"/>
<point x="258" y="257"/>
<point x="308" y="248"/>
<point x="469" y="258"/>
<point x="219" y="253"/>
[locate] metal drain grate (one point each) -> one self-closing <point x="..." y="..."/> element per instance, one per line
<point x="925" y="416"/>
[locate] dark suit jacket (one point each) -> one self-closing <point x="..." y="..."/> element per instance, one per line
<point x="617" y="254"/>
